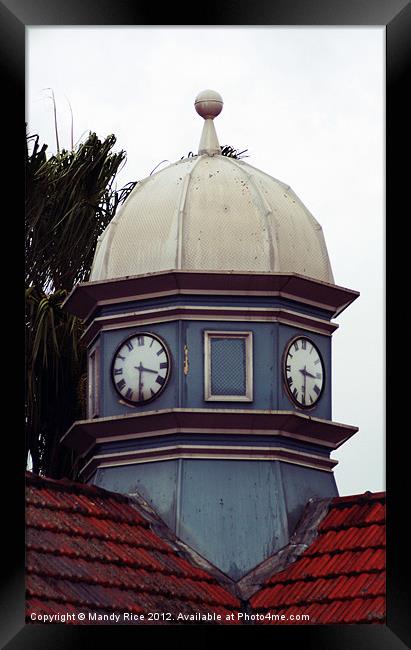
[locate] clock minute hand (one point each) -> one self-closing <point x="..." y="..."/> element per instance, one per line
<point x="305" y="383"/>
<point x="140" y="381"/>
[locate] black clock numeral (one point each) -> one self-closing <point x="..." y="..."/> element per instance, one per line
<point x="140" y="340"/>
<point x="118" y="371"/>
<point x="120" y="385"/>
<point x="303" y="344"/>
<point x="312" y="348"/>
<point x="160" y="352"/>
<point x="318" y="375"/>
<point x="288" y="368"/>
<point x="129" y="393"/>
<point x="303" y="398"/>
<point x="296" y="346"/>
<point x="152" y="341"/>
<point x="295" y="393"/>
<point x="160" y="380"/>
<point x="120" y="357"/>
<point x="152" y="392"/>
<point x="130" y="345"/>
<point x="317" y="390"/>
<point x="164" y="364"/>
<point x="290" y="381"/>
<point x="317" y="361"/>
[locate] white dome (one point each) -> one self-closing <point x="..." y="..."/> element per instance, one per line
<point x="211" y="213"/>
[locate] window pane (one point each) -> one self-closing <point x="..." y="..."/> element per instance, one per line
<point x="228" y="366"/>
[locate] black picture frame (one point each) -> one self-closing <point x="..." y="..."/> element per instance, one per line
<point x="395" y="15"/>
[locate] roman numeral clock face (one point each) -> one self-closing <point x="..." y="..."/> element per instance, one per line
<point x="303" y="372"/>
<point x="141" y="368"/>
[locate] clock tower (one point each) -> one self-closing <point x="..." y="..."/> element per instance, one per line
<point x="208" y="324"/>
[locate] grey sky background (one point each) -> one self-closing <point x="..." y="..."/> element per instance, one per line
<point x="307" y="103"/>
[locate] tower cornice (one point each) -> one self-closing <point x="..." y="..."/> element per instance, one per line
<point x="84" y="434"/>
<point x="86" y="297"/>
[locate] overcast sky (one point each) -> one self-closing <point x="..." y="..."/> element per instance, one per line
<point x="307" y="103"/>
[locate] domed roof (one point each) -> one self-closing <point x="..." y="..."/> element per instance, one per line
<point x="211" y="213"/>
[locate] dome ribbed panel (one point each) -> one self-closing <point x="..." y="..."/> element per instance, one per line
<point x="224" y="225"/>
<point x="144" y="233"/>
<point x="216" y="214"/>
<point x="97" y="268"/>
<point x="300" y="242"/>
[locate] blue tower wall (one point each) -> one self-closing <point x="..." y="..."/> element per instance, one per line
<point x="236" y="513"/>
<point x="187" y="391"/>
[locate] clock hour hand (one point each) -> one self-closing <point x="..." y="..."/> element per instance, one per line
<point x="309" y="374"/>
<point x="155" y="372"/>
<point x="306" y="373"/>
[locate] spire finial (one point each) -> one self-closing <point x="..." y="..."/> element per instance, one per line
<point x="209" y="104"/>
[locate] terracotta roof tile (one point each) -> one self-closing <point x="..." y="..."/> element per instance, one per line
<point x="93" y="550"/>
<point x="340" y="578"/>
<point x="97" y="552"/>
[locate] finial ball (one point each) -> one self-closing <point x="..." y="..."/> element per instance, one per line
<point x="208" y="104"/>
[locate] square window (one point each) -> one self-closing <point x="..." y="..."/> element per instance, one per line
<point x="228" y="366"/>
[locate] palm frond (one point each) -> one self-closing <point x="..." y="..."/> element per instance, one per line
<point x="69" y="202"/>
<point x="70" y="199"/>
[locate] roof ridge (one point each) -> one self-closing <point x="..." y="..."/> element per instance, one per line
<point x="158" y="526"/>
<point x="303" y="536"/>
<point x="361" y="498"/>
<point x="82" y="510"/>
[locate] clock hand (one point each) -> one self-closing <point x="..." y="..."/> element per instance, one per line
<point x="305" y="381"/>
<point x="143" y="369"/>
<point x="310" y="375"/>
<point x="306" y="373"/>
<point x="149" y="370"/>
<point x="140" y="381"/>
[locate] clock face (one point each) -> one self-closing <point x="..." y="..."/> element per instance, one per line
<point x="303" y="372"/>
<point x="141" y="368"/>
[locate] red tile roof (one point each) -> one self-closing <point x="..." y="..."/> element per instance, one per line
<point x="340" y="578"/>
<point x="96" y="552"/>
<point x="90" y="550"/>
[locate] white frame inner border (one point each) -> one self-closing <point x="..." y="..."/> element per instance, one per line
<point x="230" y="334"/>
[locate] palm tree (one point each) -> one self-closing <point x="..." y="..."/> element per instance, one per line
<point x="70" y="199"/>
